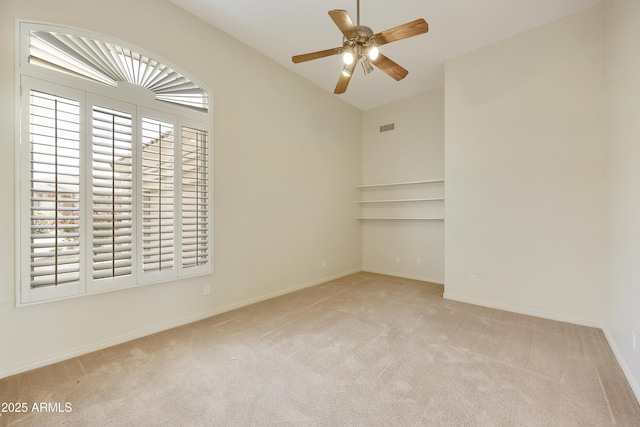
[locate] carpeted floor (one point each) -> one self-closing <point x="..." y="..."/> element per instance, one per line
<point x="364" y="350"/>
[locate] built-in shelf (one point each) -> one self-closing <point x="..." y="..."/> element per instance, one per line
<point x="407" y="196"/>
<point x="400" y="217"/>
<point x="434" y="199"/>
<point x="400" y="183"/>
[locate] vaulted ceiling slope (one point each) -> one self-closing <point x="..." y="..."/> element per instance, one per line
<point x="283" y="28"/>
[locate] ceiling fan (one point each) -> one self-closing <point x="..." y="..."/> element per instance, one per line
<point x="360" y="45"/>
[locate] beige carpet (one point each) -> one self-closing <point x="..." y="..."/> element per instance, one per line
<point x="364" y="350"/>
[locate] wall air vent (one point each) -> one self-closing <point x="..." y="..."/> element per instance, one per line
<point x="385" y="128"/>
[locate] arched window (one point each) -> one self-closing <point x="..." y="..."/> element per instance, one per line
<point x="114" y="172"/>
<point x="110" y="64"/>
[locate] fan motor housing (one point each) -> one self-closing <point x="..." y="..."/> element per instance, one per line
<point x="364" y="31"/>
<point x="364" y="36"/>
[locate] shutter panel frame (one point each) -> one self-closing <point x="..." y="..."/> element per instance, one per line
<point x="196" y="199"/>
<point x="158" y="188"/>
<point x="111" y="190"/>
<point x="48" y="205"/>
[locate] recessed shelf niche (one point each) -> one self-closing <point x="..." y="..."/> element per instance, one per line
<point x="411" y="200"/>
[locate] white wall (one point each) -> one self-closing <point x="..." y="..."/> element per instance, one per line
<point x="622" y="88"/>
<point x="413" y="151"/>
<point x="284" y="184"/>
<point x="524" y="162"/>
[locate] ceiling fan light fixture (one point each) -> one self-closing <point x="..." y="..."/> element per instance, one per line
<point x="360" y="44"/>
<point x="373" y="52"/>
<point x="348" y="58"/>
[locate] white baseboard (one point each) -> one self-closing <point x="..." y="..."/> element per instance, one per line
<point x="521" y="310"/>
<point x="623" y="364"/>
<point x="405" y="276"/>
<point x="54" y="358"/>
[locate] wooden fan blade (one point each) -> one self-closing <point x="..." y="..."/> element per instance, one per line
<point x="345" y="78"/>
<point x="390" y="67"/>
<point x="344" y="23"/>
<point x="316" y="55"/>
<point x="410" y="29"/>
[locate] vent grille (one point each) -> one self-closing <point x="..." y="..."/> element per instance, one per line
<point x="385" y="128"/>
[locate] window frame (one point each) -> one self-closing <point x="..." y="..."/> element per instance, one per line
<point x="126" y="97"/>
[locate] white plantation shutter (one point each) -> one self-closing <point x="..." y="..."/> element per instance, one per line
<point x="157" y="195"/>
<point x="54" y="190"/>
<point x="112" y="193"/>
<point x="195" y="197"/>
<point x="114" y="186"/>
<point x="109" y="63"/>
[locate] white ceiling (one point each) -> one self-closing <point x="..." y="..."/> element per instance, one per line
<point x="283" y="28"/>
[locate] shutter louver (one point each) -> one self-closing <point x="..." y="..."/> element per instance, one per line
<point x="195" y="198"/>
<point x="54" y="190"/>
<point x="109" y="64"/>
<point x="157" y="195"/>
<point x="112" y="195"/>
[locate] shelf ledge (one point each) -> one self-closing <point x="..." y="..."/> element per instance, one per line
<point x="435" y="199"/>
<point x="400" y="183"/>
<point x="400" y="218"/>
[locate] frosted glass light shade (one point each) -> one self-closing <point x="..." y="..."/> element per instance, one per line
<point x="347" y="58"/>
<point x="373" y="53"/>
